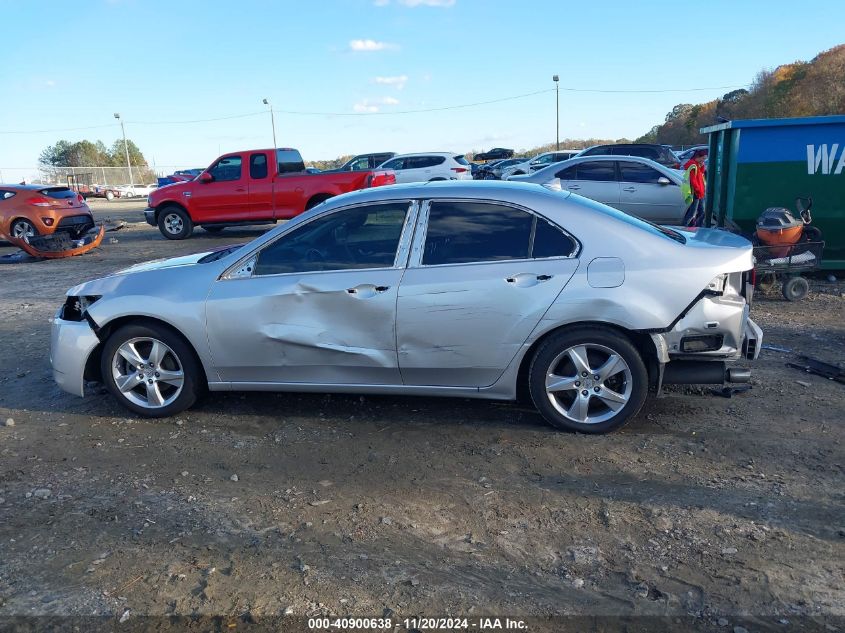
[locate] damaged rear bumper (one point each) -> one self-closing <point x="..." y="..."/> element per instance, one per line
<point x="71" y="344"/>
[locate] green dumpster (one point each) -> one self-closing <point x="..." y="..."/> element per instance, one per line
<point x="759" y="163"/>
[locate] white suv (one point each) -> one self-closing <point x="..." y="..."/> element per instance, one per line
<point x="429" y="166"/>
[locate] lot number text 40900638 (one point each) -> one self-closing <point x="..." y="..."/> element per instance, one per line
<point x="420" y="624"/>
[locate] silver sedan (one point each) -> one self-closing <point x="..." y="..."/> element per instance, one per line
<point x="635" y="185"/>
<point x="483" y="290"/>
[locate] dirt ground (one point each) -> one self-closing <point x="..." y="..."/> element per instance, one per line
<point x="715" y="509"/>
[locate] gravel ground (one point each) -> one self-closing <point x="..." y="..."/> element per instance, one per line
<point x="714" y="509"/>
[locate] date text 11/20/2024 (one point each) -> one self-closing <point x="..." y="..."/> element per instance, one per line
<point x="420" y="624"/>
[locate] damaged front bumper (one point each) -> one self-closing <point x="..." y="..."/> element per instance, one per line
<point x="71" y="344"/>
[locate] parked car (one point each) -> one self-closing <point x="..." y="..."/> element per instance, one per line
<point x="686" y="154"/>
<point x="429" y="166"/>
<point x="250" y="187"/>
<point x="531" y="165"/>
<point x="482" y="171"/>
<point x="366" y="161"/>
<point x="658" y="153"/>
<point x="475" y="290"/>
<point x="136" y="191"/>
<point x="30" y="210"/>
<point x="634" y="185"/>
<point x="493" y="154"/>
<point x="498" y="169"/>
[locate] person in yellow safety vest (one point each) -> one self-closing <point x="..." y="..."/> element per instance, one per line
<point x="694" y="187"/>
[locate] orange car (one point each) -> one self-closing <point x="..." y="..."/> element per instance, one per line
<point x="29" y="210"/>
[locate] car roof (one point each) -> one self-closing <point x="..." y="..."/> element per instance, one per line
<point x="31" y="187"/>
<point x="428" y="154"/>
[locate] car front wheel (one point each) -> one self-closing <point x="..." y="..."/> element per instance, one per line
<point x="589" y="379"/>
<point x="151" y="370"/>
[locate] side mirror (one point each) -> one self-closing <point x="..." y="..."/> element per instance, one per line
<point x="206" y="177"/>
<point x="663" y="180"/>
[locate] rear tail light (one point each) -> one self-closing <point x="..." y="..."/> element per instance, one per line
<point x="381" y="178"/>
<point x="459" y="170"/>
<point x="80" y="198"/>
<point x="47" y="221"/>
<point x="39" y="201"/>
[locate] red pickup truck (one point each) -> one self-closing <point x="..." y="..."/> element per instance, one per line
<point x="250" y="187"/>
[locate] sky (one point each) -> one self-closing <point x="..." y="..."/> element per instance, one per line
<point x="350" y="76"/>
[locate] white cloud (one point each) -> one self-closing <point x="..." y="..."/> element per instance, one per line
<point x="369" y="45"/>
<point x="373" y="105"/>
<point x="399" y="81"/>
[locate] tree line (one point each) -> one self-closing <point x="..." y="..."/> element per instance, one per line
<point x="800" y="89"/>
<point x="91" y="154"/>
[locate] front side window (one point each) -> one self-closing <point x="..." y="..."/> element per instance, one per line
<point x="361" y="163"/>
<point x="226" y="169"/>
<point x="542" y="160"/>
<point x="362" y="237"/>
<point x="637" y="172"/>
<point x="396" y="163"/>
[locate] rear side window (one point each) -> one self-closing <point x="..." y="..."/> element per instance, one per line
<point x="461" y="160"/>
<point x="570" y="173"/>
<point x="601" y="171"/>
<point x="227" y="169"/>
<point x="463" y="232"/>
<point x="59" y="193"/>
<point x="290" y="161"/>
<point x="257" y="166"/>
<point x="635" y="172"/>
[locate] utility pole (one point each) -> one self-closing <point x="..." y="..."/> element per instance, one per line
<point x="556" y="79"/>
<point x="272" y="122"/>
<point x="125" y="148"/>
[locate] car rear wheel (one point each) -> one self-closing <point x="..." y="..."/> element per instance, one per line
<point x="150" y="370"/>
<point x="109" y="195"/>
<point x="590" y="380"/>
<point x="23" y="229"/>
<point x="175" y="223"/>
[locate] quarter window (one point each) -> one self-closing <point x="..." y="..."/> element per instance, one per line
<point x="226" y="169"/>
<point x="257" y="166"/>
<point x="550" y="241"/>
<point x="362" y="237"/>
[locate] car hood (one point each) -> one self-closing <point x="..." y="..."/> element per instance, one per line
<point x="169" y="262"/>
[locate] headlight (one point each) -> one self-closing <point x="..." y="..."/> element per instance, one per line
<point x="75" y="307"/>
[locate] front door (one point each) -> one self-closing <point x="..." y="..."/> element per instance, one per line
<point x="475" y="289"/>
<point x="226" y="197"/>
<point x="317" y="305"/>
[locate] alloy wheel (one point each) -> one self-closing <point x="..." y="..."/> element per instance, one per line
<point x="173" y="223"/>
<point x="588" y="383"/>
<point x="148" y="372"/>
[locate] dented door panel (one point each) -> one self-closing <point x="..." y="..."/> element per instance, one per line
<point x="326" y="327"/>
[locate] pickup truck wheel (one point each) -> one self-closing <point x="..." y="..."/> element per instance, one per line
<point x="588" y="379"/>
<point x="213" y="229"/>
<point x="175" y="223"/>
<point x="109" y="195"/>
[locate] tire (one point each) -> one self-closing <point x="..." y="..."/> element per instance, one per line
<point x="579" y="402"/>
<point x="139" y="394"/>
<point x="23" y="229"/>
<point x="175" y="223"/>
<point x="213" y="229"/>
<point x="109" y="195"/>
<point x="313" y="202"/>
<point x="795" y="288"/>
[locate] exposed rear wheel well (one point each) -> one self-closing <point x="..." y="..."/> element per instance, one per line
<point x="92" y="365"/>
<point x="640" y="340"/>
<point x="317" y="199"/>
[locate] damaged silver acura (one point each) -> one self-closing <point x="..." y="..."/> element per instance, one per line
<point x="484" y="290"/>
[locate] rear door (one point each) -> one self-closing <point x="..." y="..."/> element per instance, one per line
<point x="480" y="277"/>
<point x="595" y="180"/>
<point x="642" y="195"/>
<point x="226" y="197"/>
<point x="260" y="187"/>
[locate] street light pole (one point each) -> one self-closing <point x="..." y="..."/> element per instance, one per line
<point x="556" y="79"/>
<point x="125" y="148"/>
<point x="272" y="122"/>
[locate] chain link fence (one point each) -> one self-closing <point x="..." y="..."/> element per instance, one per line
<point x="87" y="176"/>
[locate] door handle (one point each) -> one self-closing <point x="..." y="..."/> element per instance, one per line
<point x="630" y="189"/>
<point x="365" y="291"/>
<point x="382" y="288"/>
<point x="544" y="277"/>
<point x="574" y="187"/>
